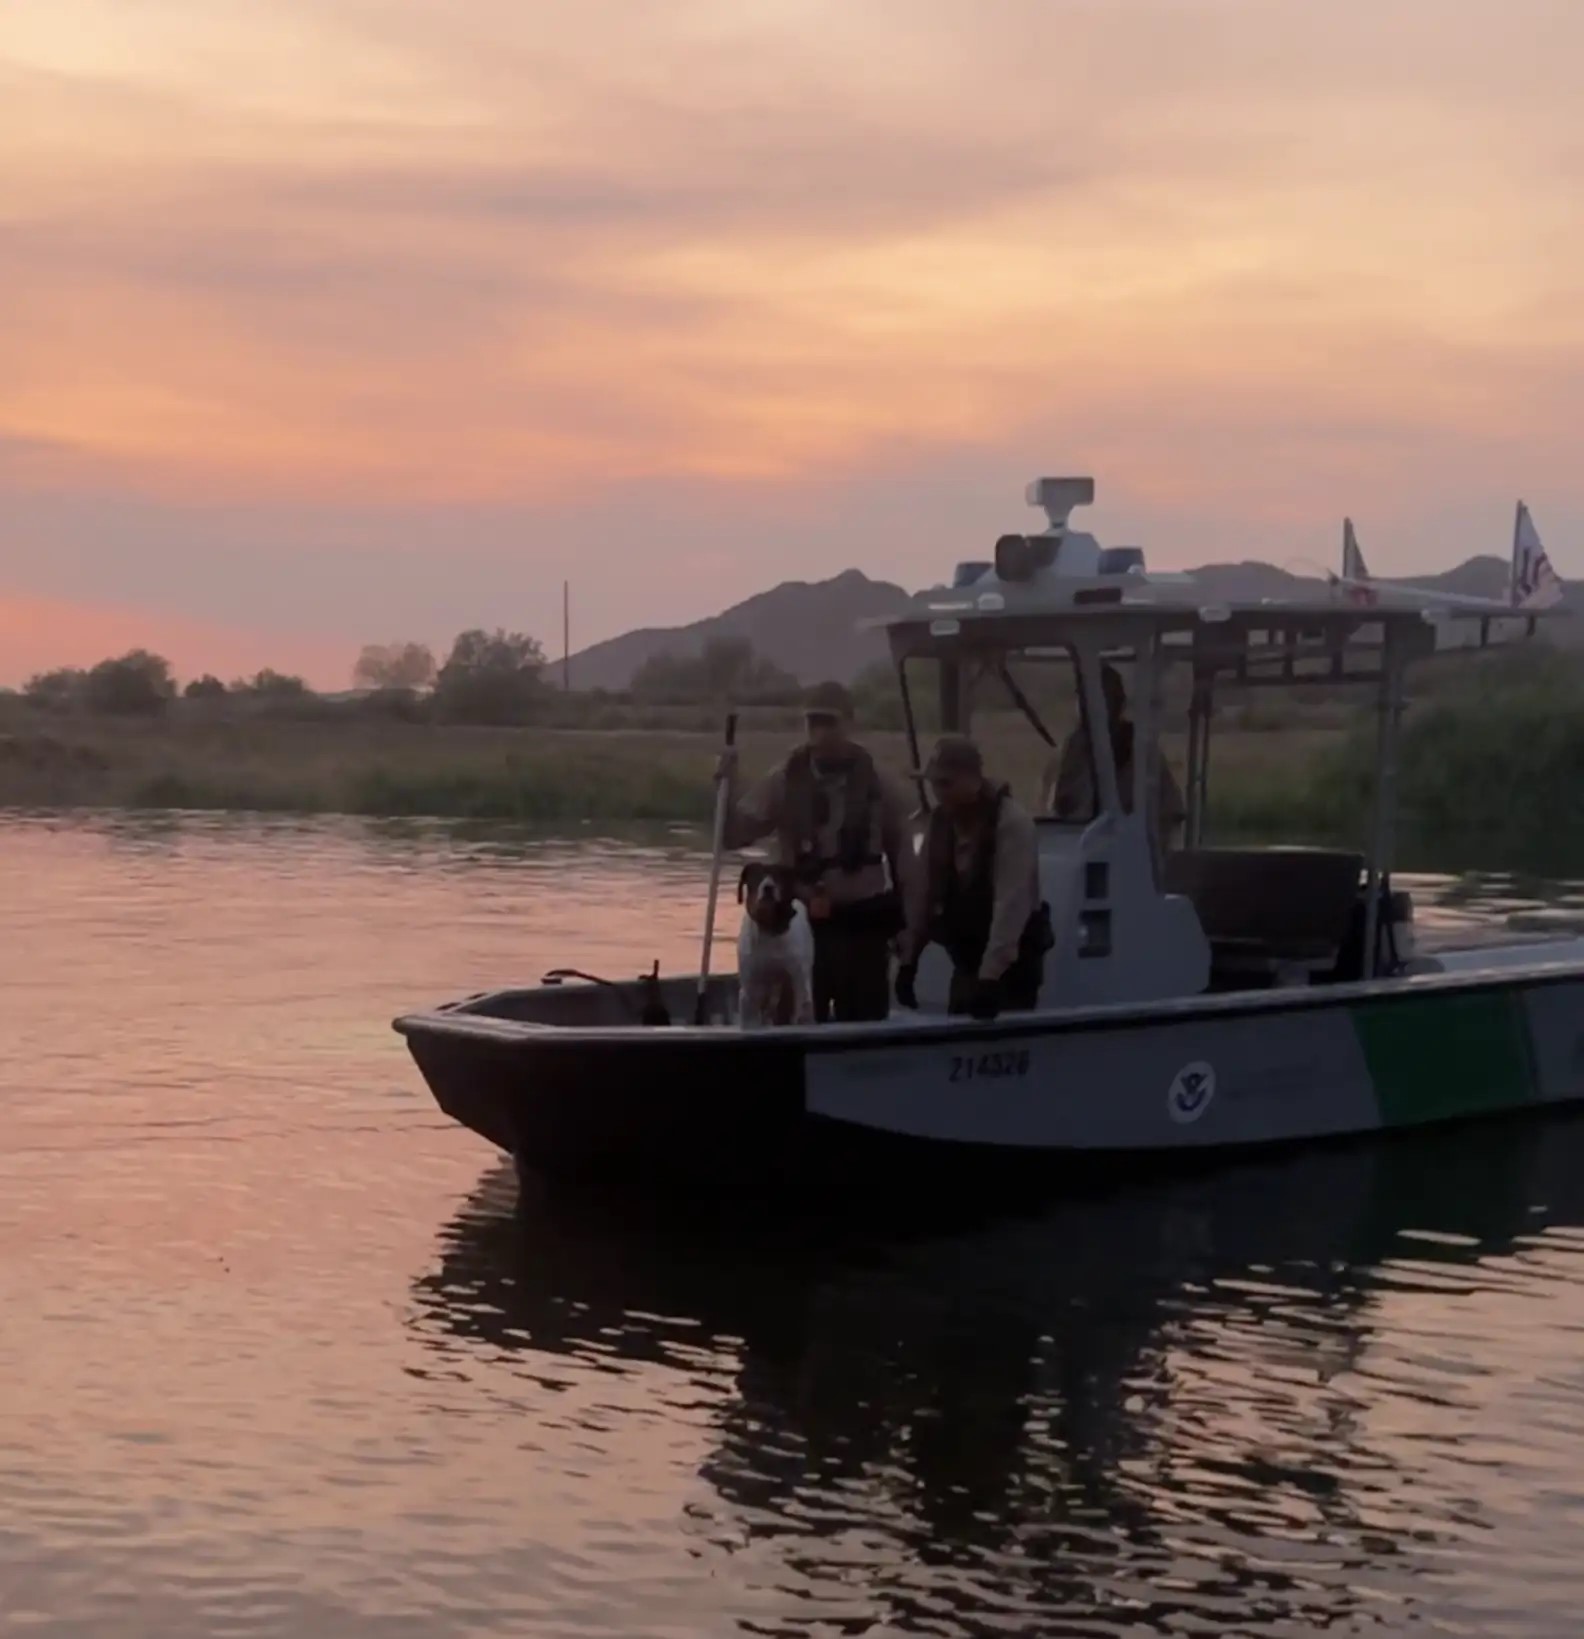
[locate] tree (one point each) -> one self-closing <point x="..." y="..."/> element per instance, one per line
<point x="877" y="696"/>
<point x="665" y="676"/>
<point x="729" y="665"/>
<point x="271" y="685"/>
<point x="58" y="690"/>
<point x="139" y="684"/>
<point x="394" y="666"/>
<point x="728" y="668"/>
<point x="207" y="687"/>
<point x="490" y="678"/>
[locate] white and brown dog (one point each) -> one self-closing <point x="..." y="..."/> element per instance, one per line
<point x="775" y="950"/>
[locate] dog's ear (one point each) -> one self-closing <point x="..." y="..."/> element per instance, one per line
<point x="749" y="879"/>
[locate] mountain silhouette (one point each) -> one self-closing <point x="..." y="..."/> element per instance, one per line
<point x="811" y="629"/>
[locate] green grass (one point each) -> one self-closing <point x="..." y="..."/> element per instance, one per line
<point x="1490" y="776"/>
<point x="1492" y="769"/>
<point x="403" y="769"/>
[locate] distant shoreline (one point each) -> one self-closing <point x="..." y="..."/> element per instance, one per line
<point x="1490" y="782"/>
<point x="391" y="769"/>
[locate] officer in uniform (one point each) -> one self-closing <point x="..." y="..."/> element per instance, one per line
<point x="978" y="893"/>
<point x="841" y="826"/>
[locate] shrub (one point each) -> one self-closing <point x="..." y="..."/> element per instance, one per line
<point x="139" y="684"/>
<point x="397" y="705"/>
<point x="59" y="690"/>
<point x="271" y="685"/>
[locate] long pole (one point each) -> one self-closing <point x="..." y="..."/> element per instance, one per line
<point x="566" y="637"/>
<point x="1378" y="870"/>
<point x="718" y="848"/>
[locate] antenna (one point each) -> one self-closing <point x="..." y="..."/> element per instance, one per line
<point x="566" y="637"/>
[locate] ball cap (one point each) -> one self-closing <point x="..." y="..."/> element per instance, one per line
<point x="954" y="754"/>
<point x="828" y="700"/>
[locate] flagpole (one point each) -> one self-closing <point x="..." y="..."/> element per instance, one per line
<point x="1513" y="587"/>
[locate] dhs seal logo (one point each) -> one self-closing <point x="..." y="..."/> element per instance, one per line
<point x="1191" y="1093"/>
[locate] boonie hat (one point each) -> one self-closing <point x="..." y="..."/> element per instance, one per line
<point x="954" y="754"/>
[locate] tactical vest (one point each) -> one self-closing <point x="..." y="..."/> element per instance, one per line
<point x="806" y="816"/>
<point x="962" y="903"/>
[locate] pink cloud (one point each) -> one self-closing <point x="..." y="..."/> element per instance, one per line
<point x="38" y="634"/>
<point x="378" y="317"/>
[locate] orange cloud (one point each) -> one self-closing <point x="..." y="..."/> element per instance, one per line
<point x="350" y="257"/>
<point x="488" y="258"/>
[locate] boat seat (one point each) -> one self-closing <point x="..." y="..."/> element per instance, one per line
<point x="1273" y="911"/>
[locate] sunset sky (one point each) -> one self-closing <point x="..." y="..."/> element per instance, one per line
<point x="333" y="321"/>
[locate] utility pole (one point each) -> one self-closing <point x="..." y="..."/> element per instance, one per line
<point x="566" y="637"/>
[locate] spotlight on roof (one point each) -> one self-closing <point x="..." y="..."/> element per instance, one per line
<point x="1056" y="497"/>
<point x="1021" y="557"/>
<point x="1121" y="560"/>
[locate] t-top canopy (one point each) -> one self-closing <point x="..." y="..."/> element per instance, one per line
<point x="1059" y="588"/>
<point x="1256" y="642"/>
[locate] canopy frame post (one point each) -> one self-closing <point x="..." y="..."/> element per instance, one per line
<point x="1147" y="670"/>
<point x="910" y="725"/>
<point x="953" y="692"/>
<point x="1200" y="706"/>
<point x="1097" y="731"/>
<point x="1388" y="707"/>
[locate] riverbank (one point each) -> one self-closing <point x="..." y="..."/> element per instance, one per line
<point x="1490" y="780"/>
<point x="534" y="775"/>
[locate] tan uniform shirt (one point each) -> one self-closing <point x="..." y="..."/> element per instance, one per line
<point x="1016" y="884"/>
<point x="763" y="813"/>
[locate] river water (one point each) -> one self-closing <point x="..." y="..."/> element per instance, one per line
<point x="278" y="1358"/>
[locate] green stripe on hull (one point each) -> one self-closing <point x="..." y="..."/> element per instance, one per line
<point x="1435" y="1057"/>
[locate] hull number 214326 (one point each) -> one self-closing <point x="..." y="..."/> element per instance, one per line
<point x="989" y="1066"/>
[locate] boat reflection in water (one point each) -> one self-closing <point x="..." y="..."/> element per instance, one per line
<point x="1255" y="1401"/>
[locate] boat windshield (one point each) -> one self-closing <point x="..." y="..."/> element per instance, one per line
<point x="1029" y="714"/>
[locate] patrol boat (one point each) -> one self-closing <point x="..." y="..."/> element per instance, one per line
<point x="1204" y="1000"/>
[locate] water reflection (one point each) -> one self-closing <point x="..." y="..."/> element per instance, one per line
<point x="1289" y="1397"/>
<point x="1170" y="1405"/>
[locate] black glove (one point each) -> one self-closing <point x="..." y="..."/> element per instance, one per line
<point x="907" y="986"/>
<point x="985" y="1001"/>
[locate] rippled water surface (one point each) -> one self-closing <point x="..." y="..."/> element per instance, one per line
<point x="277" y="1357"/>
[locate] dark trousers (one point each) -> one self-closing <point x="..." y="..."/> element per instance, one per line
<point x="852" y="973"/>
